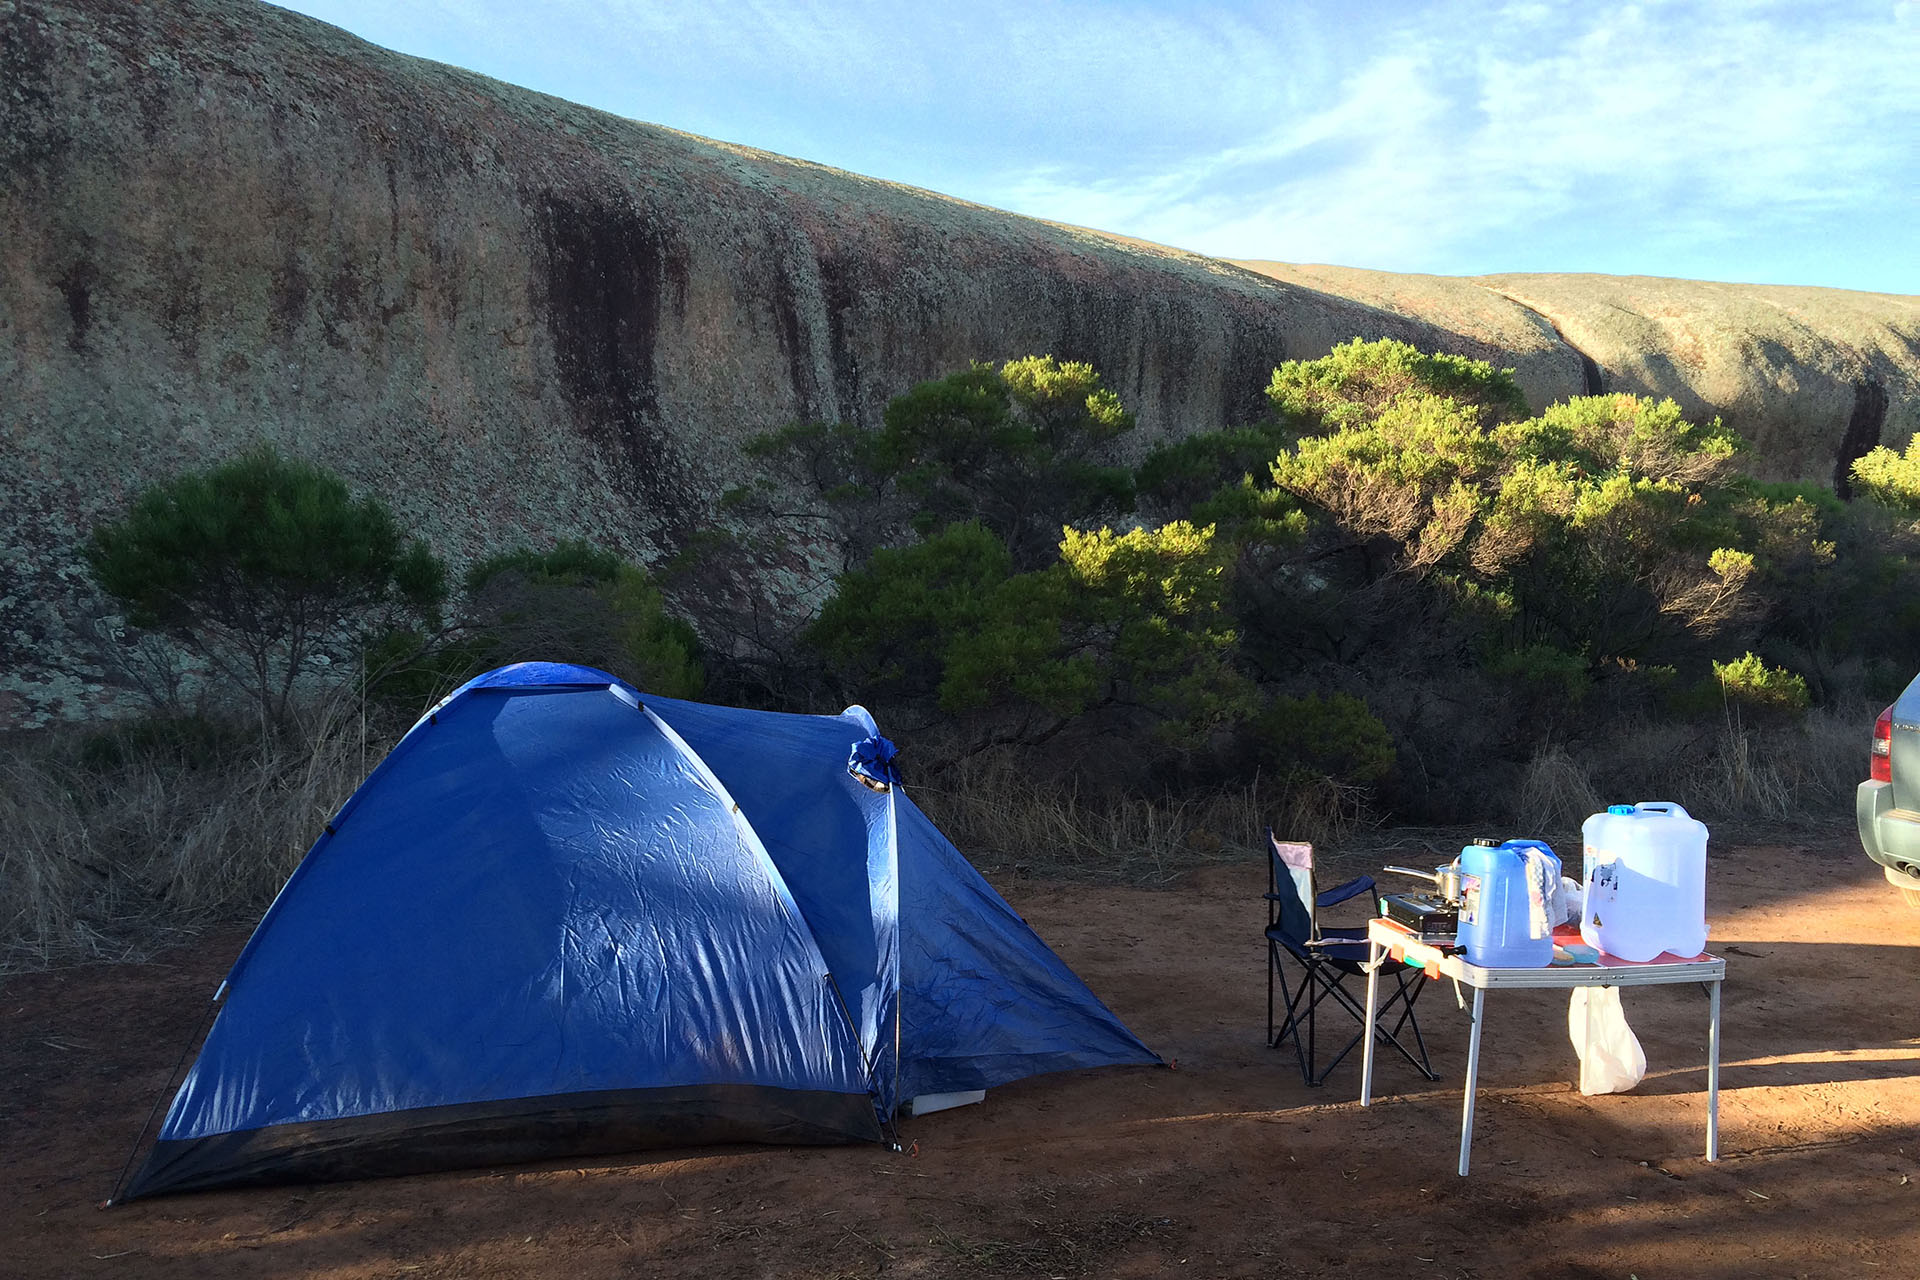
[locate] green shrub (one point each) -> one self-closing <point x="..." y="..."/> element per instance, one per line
<point x="1358" y="380"/>
<point x="1018" y="447"/>
<point x="1559" y="676"/>
<point x="576" y="602"/>
<point x="1600" y="527"/>
<point x="261" y="566"/>
<point x="890" y="626"/>
<point x="1187" y="472"/>
<point x="1749" y="682"/>
<point x="191" y="742"/>
<point x="1333" y="736"/>
<point x="1129" y="618"/>
<point x="1627" y="435"/>
<point x="408" y="670"/>
<point x="1889" y="478"/>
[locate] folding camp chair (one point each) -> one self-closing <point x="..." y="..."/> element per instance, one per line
<point x="1326" y="959"/>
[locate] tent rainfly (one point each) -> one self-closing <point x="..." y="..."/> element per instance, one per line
<point x="561" y="918"/>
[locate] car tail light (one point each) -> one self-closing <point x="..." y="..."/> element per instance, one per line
<point x="1883" y="747"/>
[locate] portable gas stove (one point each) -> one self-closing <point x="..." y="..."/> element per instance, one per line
<point x="1427" y="915"/>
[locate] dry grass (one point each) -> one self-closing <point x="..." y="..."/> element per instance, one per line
<point x="113" y="860"/>
<point x="1005" y="818"/>
<point x="1556" y="792"/>
<point x="1735" y="774"/>
<point x="115" y="852"/>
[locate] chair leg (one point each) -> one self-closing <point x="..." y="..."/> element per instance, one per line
<point x="1332" y="990"/>
<point x="1312" y="993"/>
<point x="1426" y="1067"/>
<point x="1273" y="962"/>
<point x="1292" y="1000"/>
<point x="1301" y="1005"/>
<point x="1312" y="980"/>
<point x="1315" y="987"/>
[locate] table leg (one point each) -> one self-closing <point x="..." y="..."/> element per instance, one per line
<point x="1376" y="954"/>
<point x="1473" y="1076"/>
<point x="1713" y="1070"/>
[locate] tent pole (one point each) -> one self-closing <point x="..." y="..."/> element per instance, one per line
<point x="113" y="1197"/>
<point x="853" y="1029"/>
<point x="893" y="837"/>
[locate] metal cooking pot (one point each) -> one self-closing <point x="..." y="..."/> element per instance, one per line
<point x="1445" y="879"/>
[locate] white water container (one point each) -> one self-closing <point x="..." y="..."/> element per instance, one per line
<point x="1645" y="880"/>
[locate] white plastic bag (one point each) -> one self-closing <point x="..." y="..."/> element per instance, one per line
<point x="1570" y="899"/>
<point x="1611" y="1060"/>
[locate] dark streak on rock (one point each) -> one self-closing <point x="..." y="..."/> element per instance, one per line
<point x="153" y="90"/>
<point x="791" y="336"/>
<point x="1172" y="339"/>
<point x="76" y="285"/>
<point x="287" y="297"/>
<point x="841" y="295"/>
<point x="608" y="268"/>
<point x="1864" y="425"/>
<point x="1592" y="382"/>
<point x="345" y="304"/>
<point x="393" y="208"/>
<point x="1256" y="350"/>
<point x="603" y="291"/>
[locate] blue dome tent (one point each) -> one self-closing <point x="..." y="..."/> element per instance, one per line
<point x="564" y="918"/>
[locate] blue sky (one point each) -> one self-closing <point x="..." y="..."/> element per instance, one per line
<point x="1742" y="140"/>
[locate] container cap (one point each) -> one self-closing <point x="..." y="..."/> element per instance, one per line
<point x="1620" y="808"/>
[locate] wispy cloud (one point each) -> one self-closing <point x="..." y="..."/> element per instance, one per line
<point x="1454" y="137"/>
<point x="1462" y="141"/>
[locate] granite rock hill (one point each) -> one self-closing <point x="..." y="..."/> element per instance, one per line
<point x="520" y="319"/>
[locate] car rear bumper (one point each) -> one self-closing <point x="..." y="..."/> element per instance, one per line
<point x="1890" y="836"/>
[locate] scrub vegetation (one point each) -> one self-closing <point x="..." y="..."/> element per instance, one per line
<point x="1401" y="595"/>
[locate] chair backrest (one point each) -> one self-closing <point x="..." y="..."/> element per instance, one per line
<point x="1290" y="872"/>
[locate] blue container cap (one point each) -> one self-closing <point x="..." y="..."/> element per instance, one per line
<point x="1620" y="809"/>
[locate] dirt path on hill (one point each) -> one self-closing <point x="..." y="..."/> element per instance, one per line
<point x="1227" y="1166"/>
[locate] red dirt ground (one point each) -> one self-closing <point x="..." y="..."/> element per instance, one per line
<point x="1227" y="1166"/>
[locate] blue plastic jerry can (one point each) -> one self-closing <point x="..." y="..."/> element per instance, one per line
<point x="1506" y="892"/>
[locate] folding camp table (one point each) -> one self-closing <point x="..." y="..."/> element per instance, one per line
<point x="1389" y="938"/>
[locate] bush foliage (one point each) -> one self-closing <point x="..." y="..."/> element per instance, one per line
<point x="261" y="566"/>
<point x="1401" y="580"/>
<point x="1398" y="593"/>
<point x="1400" y="589"/>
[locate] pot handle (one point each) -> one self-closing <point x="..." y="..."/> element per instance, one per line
<point x="1430" y="876"/>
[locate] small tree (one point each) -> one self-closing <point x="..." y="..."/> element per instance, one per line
<point x="1890" y="478"/>
<point x="1353" y="383"/>
<point x="1596" y="527"/>
<point x="1130" y="621"/>
<point x="1018" y="447"/>
<point x="261" y="564"/>
<point x="581" y="603"/>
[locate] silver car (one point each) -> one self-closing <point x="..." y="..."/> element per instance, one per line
<point x="1888" y="802"/>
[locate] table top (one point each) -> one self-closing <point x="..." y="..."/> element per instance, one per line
<point x="1610" y="971"/>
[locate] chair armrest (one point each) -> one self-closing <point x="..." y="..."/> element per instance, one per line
<point x="1341" y="892"/>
